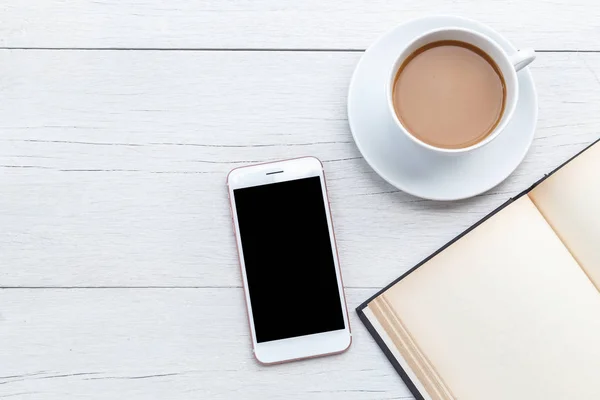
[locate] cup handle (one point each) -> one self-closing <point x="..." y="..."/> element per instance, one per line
<point x="522" y="58"/>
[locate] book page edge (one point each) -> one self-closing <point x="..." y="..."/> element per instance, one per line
<point x="390" y="345"/>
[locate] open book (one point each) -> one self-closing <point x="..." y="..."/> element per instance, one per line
<point x="510" y="309"/>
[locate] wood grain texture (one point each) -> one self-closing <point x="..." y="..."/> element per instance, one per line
<point x="113" y="164"/>
<point x="350" y="24"/>
<point x="166" y="344"/>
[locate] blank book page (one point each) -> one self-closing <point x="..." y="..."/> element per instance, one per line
<point x="506" y="313"/>
<point x="570" y="200"/>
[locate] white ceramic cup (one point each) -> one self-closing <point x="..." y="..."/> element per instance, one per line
<point x="508" y="64"/>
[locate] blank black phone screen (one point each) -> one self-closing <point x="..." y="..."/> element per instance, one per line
<point x="289" y="259"/>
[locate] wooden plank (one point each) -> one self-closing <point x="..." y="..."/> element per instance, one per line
<point x="113" y="163"/>
<point x="347" y="24"/>
<point x="167" y="344"/>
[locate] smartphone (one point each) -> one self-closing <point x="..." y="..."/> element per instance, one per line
<point x="288" y="258"/>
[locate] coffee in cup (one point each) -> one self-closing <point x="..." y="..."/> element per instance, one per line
<point x="449" y="94"/>
<point x="453" y="90"/>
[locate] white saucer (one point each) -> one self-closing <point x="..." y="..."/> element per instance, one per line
<point x="409" y="167"/>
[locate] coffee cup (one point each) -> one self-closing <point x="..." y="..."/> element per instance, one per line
<point x="506" y="65"/>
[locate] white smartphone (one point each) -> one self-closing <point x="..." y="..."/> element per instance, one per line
<point x="288" y="258"/>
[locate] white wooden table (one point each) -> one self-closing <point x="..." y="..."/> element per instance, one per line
<point x="118" y="123"/>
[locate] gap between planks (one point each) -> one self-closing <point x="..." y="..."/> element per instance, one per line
<point x="148" y="287"/>
<point x="238" y="49"/>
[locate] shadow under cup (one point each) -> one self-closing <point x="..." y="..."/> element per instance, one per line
<point x="504" y="68"/>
